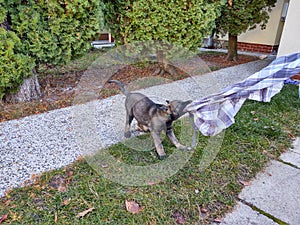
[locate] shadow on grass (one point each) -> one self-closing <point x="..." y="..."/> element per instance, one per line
<point x="262" y="131"/>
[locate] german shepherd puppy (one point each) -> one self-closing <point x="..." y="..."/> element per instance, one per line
<point x="152" y="117"/>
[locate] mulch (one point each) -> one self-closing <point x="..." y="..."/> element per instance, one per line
<point x="58" y="91"/>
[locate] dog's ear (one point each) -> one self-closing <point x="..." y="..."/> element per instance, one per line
<point x="181" y="107"/>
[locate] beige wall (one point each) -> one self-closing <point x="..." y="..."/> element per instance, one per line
<point x="270" y="35"/>
<point x="291" y="32"/>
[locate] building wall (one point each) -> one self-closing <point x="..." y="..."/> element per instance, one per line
<point x="270" y="35"/>
<point x="267" y="40"/>
<point x="291" y="32"/>
<point x="254" y="47"/>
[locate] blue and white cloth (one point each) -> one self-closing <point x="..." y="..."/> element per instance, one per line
<point x="216" y="112"/>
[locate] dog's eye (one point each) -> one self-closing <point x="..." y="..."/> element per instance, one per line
<point x="164" y="108"/>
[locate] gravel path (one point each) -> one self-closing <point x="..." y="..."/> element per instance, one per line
<point x="54" y="139"/>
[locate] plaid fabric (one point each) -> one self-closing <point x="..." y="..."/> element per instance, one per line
<point x="216" y="112"/>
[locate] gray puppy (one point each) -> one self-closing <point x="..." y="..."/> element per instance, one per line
<point x="152" y="117"/>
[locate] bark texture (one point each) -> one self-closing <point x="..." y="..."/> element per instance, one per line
<point x="232" y="48"/>
<point x="29" y="90"/>
<point x="165" y="65"/>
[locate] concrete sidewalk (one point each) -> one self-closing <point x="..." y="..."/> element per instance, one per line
<point x="273" y="197"/>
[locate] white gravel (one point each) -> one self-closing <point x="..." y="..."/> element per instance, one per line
<point x="54" y="139"/>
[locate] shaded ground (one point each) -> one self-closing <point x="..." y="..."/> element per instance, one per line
<point x="76" y="194"/>
<point x="58" y="83"/>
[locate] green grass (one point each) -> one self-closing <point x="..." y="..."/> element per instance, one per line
<point x="261" y="132"/>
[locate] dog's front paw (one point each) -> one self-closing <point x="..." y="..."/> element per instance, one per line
<point x="182" y="147"/>
<point x="127" y="134"/>
<point x="189" y="148"/>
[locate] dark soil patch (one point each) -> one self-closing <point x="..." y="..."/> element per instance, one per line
<point x="59" y="88"/>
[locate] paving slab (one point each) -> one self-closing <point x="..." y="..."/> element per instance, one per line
<point x="276" y="192"/>
<point x="292" y="156"/>
<point x="244" y="215"/>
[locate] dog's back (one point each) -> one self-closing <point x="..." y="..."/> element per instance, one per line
<point x="152" y="117"/>
<point x="141" y="107"/>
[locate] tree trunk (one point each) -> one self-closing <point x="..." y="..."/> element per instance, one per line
<point x="29" y="90"/>
<point x="232" y="48"/>
<point x="165" y="65"/>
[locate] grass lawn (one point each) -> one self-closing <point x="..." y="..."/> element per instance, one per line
<point x="262" y="131"/>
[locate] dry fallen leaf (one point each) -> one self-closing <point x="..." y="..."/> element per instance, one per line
<point x="32" y="177"/>
<point x="59" y="183"/>
<point x="218" y="220"/>
<point x="4" y="217"/>
<point x="80" y="159"/>
<point x="82" y="214"/>
<point x="62" y="188"/>
<point x="104" y="165"/>
<point x="7" y="193"/>
<point x="66" y="202"/>
<point x="153" y="222"/>
<point x="204" y="210"/>
<point x="180" y="219"/>
<point x="70" y="173"/>
<point x="245" y="183"/>
<point x="13" y="206"/>
<point x="133" y="207"/>
<point x="69" y="178"/>
<point x="55" y="217"/>
<point x="7" y="202"/>
<point x="151" y="183"/>
<point x="292" y="137"/>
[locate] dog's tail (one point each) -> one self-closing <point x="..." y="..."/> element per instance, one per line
<point x="121" y="85"/>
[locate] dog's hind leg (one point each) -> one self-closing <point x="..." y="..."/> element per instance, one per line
<point x="142" y="128"/>
<point x="129" y="118"/>
<point x="158" y="145"/>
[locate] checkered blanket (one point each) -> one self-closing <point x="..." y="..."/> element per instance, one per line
<point x="216" y="112"/>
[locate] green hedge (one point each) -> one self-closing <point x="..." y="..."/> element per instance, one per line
<point x="53" y="32"/>
<point x="14" y="66"/>
<point x="179" y="22"/>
